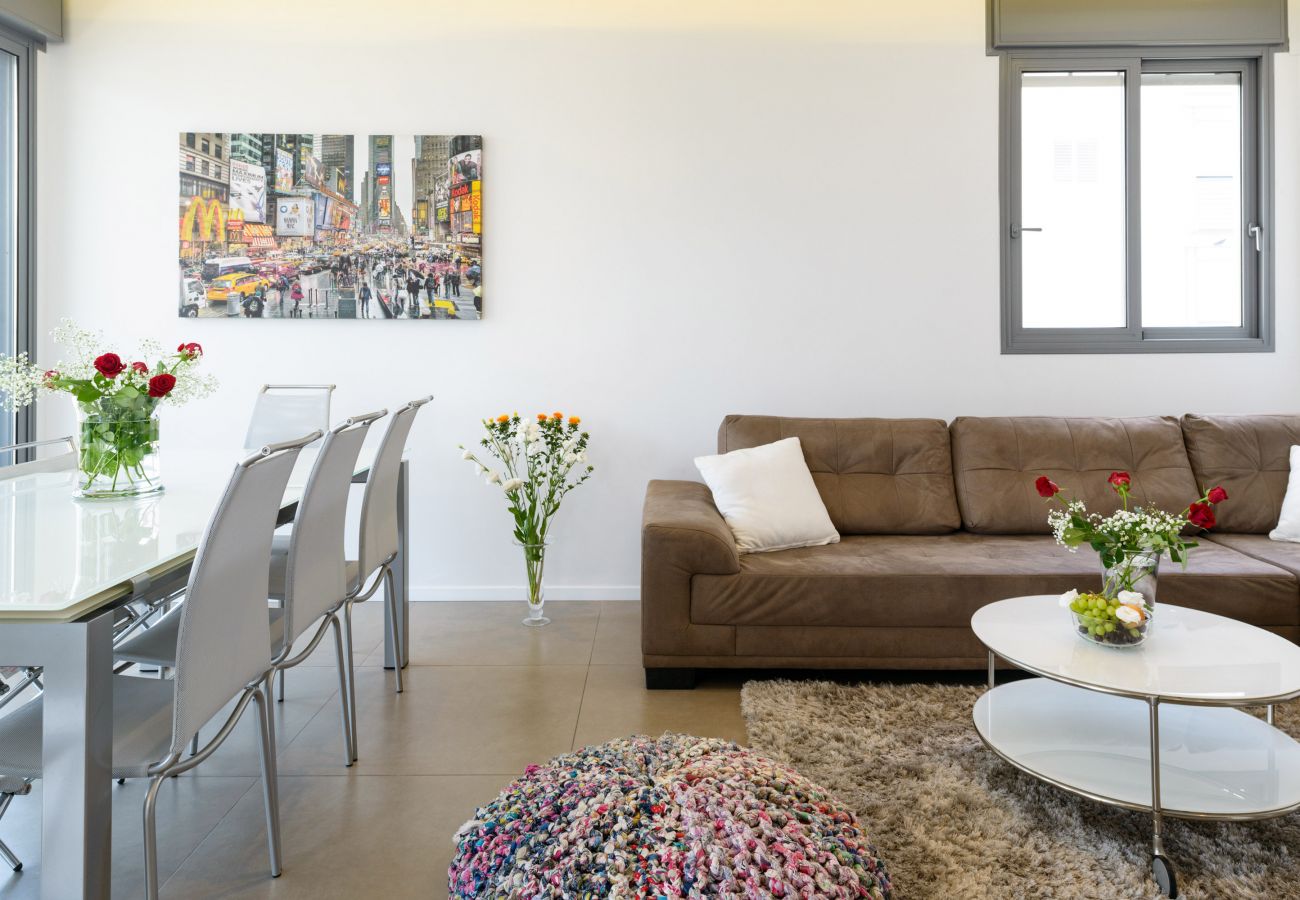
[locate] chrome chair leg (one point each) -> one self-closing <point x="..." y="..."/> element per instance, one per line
<point x="14" y="862"/>
<point x="194" y="744"/>
<point x="281" y="698"/>
<point x="339" y="652"/>
<point x="390" y="602"/>
<point x="352" y="679"/>
<point x="151" y="837"/>
<point x="270" y="792"/>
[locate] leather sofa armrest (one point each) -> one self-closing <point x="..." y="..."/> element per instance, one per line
<point x="682" y="535"/>
<point x="681" y="527"/>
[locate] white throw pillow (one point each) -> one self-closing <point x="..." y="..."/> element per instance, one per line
<point x="1288" y="524"/>
<point x="768" y="497"/>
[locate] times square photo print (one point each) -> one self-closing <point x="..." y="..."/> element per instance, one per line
<point x="331" y="226"/>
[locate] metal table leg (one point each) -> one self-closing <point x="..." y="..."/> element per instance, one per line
<point x="1268" y="714"/>
<point x="992" y="677"/>
<point x="77" y="736"/>
<point x="1161" y="869"/>
<point x="401" y="580"/>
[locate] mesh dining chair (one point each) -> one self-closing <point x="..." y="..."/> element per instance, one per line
<point x="285" y="410"/>
<point x="55" y="462"/>
<point x="223" y="651"/>
<point x="379" y="546"/>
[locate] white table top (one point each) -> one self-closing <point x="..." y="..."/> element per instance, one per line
<point x="1189" y="656"/>
<point x="61" y="557"/>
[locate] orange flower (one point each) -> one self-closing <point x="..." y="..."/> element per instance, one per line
<point x="574" y="420"/>
<point x="541" y="417"/>
<point x="557" y="415"/>
<point x="503" y="418"/>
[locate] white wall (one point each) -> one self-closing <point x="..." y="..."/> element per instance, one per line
<point x="684" y="218"/>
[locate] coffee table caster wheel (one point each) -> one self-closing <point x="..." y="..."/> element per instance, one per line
<point x="1162" y="870"/>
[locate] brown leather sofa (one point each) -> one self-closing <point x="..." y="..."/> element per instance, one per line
<point x="936" y="521"/>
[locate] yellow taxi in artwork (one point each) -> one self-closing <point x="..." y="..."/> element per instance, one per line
<point x="444" y="309"/>
<point x="234" y="286"/>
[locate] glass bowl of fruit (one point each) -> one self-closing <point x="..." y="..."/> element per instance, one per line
<point x="1123" y="620"/>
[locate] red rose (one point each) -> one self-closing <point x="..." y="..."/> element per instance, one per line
<point x="1201" y="515"/>
<point x="140" y="367"/>
<point x="109" y="365"/>
<point x="49" y="376"/>
<point x="1046" y="487"/>
<point x="161" y="385"/>
<point x="1216" y="495"/>
<point x="1119" y="480"/>
<point x="190" y="350"/>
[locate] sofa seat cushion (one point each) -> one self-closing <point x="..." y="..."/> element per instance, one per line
<point x="1250" y="457"/>
<point x="996" y="460"/>
<point x="909" y="581"/>
<point x="876" y="476"/>
<point x="1283" y="554"/>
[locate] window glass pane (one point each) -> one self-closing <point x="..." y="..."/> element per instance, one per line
<point x="1191" y="200"/>
<point x="8" y="225"/>
<point x="1072" y="186"/>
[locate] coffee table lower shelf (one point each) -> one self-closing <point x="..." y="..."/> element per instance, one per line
<point x="1214" y="762"/>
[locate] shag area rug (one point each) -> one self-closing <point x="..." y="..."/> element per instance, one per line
<point x="954" y="821"/>
<point x="675" y="816"/>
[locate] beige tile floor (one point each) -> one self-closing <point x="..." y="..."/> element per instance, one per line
<point x="484" y="697"/>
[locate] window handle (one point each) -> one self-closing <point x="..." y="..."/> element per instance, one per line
<point x="1017" y="229"/>
<point x="1257" y="232"/>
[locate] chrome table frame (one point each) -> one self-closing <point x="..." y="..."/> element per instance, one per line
<point x="77" y="729"/>
<point x="1158" y="814"/>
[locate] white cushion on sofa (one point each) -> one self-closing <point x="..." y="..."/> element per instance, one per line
<point x="1288" y="524"/>
<point x="768" y="497"/>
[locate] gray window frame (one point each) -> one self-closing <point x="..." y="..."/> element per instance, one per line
<point x="1256" y="334"/>
<point x="24" y="313"/>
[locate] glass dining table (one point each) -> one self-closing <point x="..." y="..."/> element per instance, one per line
<point x="66" y="566"/>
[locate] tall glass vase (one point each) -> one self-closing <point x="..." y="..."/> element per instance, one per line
<point x="117" y="457"/>
<point x="534" y="565"/>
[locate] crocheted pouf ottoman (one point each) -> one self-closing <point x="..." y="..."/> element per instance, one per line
<point x="675" y="816"/>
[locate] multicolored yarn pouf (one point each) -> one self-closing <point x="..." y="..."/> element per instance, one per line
<point x="675" y="816"/>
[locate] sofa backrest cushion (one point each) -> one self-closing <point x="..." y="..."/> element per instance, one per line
<point x="1249" y="457"/>
<point x="876" y="476"/>
<point x="996" y="461"/>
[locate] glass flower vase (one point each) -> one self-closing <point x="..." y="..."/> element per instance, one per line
<point x="1126" y="613"/>
<point x="534" y="565"/>
<point x="117" y="457"/>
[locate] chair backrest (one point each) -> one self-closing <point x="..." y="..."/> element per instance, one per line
<point x="314" y="574"/>
<point x="284" y="411"/>
<point x="56" y="462"/>
<point x="224" y="643"/>
<point x="379" y="505"/>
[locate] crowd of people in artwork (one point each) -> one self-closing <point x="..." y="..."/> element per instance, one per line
<point x="386" y="283"/>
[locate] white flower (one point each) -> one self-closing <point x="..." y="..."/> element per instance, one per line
<point x="493" y="477"/>
<point x="582" y="457"/>
<point x="570" y="458"/>
<point x="479" y="470"/>
<point x="467" y="455"/>
<point x="1128" y="615"/>
<point x="1131" y="598"/>
<point x="1069" y="597"/>
<point x="512" y="485"/>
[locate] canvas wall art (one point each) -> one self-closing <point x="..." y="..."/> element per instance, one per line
<point x="331" y="226"/>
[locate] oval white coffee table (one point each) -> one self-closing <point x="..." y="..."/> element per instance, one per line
<point x="1093" y="722"/>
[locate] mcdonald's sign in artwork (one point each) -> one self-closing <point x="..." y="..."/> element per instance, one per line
<point x="332" y="226"/>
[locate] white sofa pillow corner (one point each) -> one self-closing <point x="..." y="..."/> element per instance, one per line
<point x="768" y="498"/>
<point x="1288" y="524"/>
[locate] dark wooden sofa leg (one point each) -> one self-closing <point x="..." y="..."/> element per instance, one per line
<point x="658" y="679"/>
